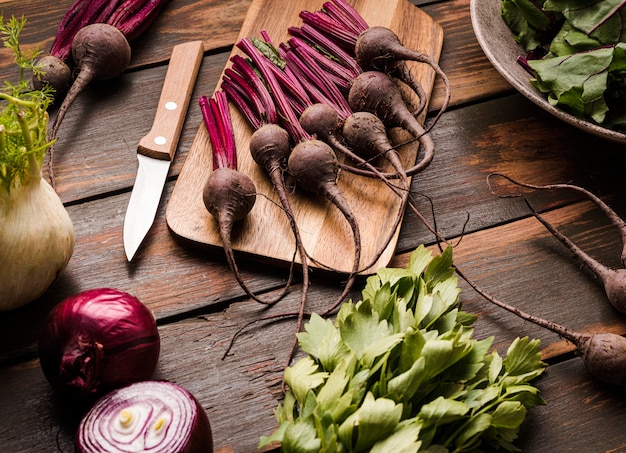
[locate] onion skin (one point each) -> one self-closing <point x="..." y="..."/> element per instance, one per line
<point x="96" y="341"/>
<point x="154" y="416"/>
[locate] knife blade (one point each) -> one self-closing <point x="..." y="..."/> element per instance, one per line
<point x="156" y="150"/>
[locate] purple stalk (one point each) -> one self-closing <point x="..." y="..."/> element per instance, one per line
<point x="318" y="39"/>
<point x="523" y="62"/>
<point x="340" y="75"/>
<point x="246" y="72"/>
<point x="131" y="17"/>
<point x="330" y="27"/>
<point x="127" y="9"/>
<point x="317" y="77"/>
<point x="106" y="12"/>
<point x="265" y="67"/>
<point x="292" y="88"/>
<point x="218" y="122"/>
<point x="308" y="85"/>
<point x="240" y="98"/>
<point x="343" y="12"/>
<point x="81" y="13"/>
<point x="133" y="25"/>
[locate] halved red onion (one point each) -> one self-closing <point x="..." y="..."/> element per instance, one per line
<point x="149" y="416"/>
<point x="98" y="340"/>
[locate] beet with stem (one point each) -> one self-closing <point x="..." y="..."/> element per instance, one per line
<point x="270" y="148"/>
<point x="380" y="49"/>
<point x="101" y="52"/>
<point x="131" y="17"/>
<point x="228" y="194"/>
<point x="613" y="280"/>
<point x="367" y="138"/>
<point x="315" y="168"/>
<point x="95" y="34"/>
<point x="604" y="354"/>
<point x="377" y="93"/>
<point x="304" y="161"/>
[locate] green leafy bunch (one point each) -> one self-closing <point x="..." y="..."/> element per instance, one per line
<point x="23" y="114"/>
<point x="399" y="371"/>
<point x="583" y="66"/>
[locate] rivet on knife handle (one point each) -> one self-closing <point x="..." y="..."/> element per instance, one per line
<point x="156" y="150"/>
<point x="162" y="140"/>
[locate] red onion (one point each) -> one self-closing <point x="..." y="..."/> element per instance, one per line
<point x="98" y="340"/>
<point x="149" y="416"/>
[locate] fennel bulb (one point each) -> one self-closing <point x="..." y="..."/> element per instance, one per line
<point x="36" y="242"/>
<point x="36" y="232"/>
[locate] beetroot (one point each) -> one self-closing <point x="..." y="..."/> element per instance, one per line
<point x="101" y="52"/>
<point x="613" y="280"/>
<point x="604" y="354"/>
<point x="380" y="49"/>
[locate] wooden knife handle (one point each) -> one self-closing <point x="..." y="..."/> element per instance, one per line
<point x="162" y="140"/>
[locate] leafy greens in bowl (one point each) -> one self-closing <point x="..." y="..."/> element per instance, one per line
<point x="580" y="98"/>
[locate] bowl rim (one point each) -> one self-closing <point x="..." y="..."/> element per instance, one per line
<point x="496" y="40"/>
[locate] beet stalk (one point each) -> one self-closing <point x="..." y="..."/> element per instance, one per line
<point x="604" y="354"/>
<point x="228" y="194"/>
<point x="613" y="280"/>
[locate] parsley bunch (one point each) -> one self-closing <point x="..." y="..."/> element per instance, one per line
<point x="400" y="371"/>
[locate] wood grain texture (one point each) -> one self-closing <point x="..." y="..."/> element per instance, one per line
<point x="512" y="136"/>
<point x="325" y="234"/>
<point x="240" y="392"/>
<point x="216" y="22"/>
<point x="199" y="305"/>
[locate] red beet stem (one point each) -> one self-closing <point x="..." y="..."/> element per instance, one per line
<point x="137" y="18"/>
<point x="290" y="122"/>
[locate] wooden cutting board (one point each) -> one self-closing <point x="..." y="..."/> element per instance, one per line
<point x="265" y="233"/>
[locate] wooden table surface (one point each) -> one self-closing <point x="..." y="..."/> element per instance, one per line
<point x="199" y="305"/>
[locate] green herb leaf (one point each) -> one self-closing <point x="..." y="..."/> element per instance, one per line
<point x="23" y="116"/>
<point x="400" y="371"/>
<point x="374" y="420"/>
<point x="322" y="340"/>
<point x="403" y="440"/>
<point x="304" y="376"/>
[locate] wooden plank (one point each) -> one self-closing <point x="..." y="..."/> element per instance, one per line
<point x="581" y="415"/>
<point x="240" y="392"/>
<point x="216" y="22"/>
<point x="326" y="236"/>
<point x="169" y="278"/>
<point x="512" y="136"/>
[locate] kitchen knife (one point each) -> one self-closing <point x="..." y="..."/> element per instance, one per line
<point x="156" y="150"/>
